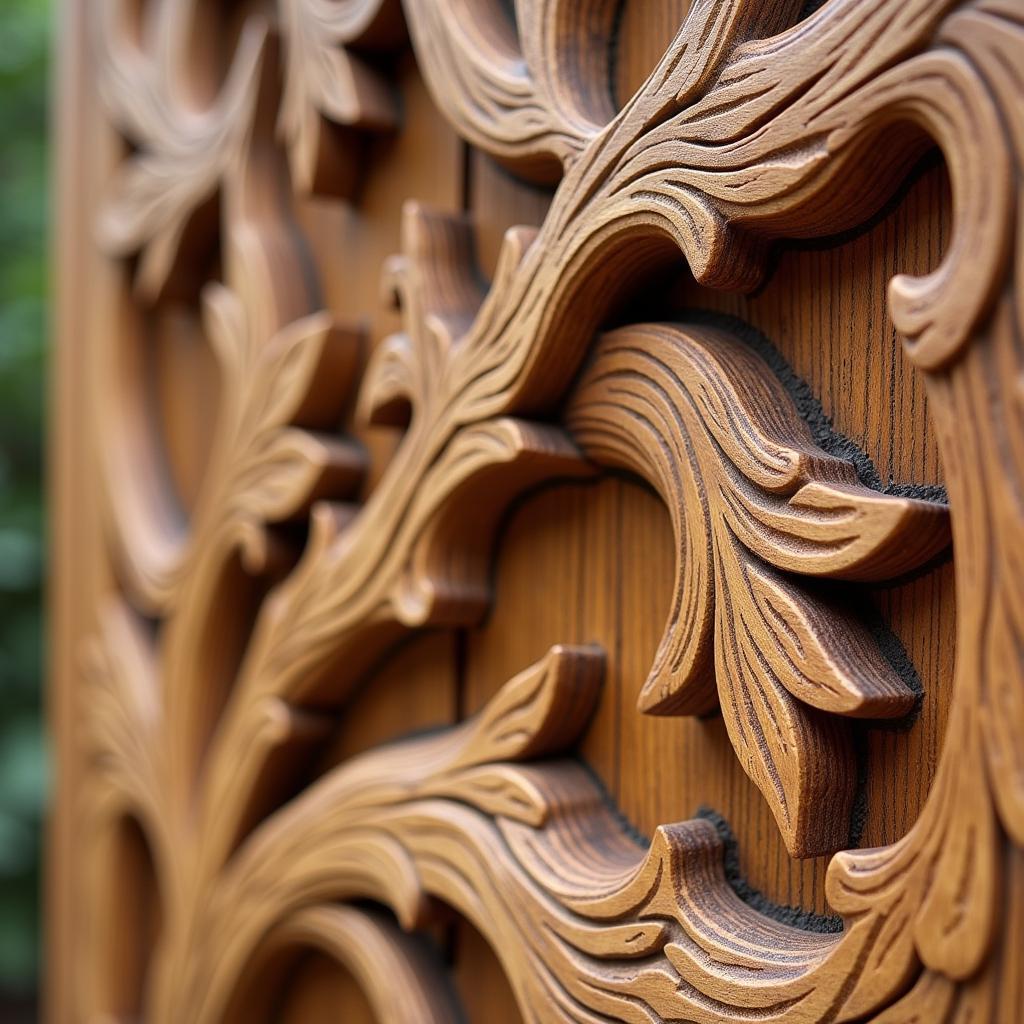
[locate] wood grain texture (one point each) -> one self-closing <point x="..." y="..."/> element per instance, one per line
<point x="234" y="780"/>
<point x="396" y="973"/>
<point x="823" y="308"/>
<point x="692" y="412"/>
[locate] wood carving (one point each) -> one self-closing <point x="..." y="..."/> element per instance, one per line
<point x="392" y="968"/>
<point x="328" y="86"/>
<point x="756" y="125"/>
<point x="528" y="86"/>
<point x="189" y="136"/>
<point x="699" y="416"/>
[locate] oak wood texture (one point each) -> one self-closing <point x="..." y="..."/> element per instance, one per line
<point x="229" y="699"/>
<point x="688" y="410"/>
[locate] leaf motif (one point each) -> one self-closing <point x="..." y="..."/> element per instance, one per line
<point x="445" y="578"/>
<point x="838" y="530"/>
<point x="306" y="373"/>
<point x="275" y="380"/>
<point x="797" y="757"/>
<point x="822" y="655"/>
<point x="953" y="926"/>
<point x="539" y="711"/>
<point x="390" y="382"/>
<point x="753" y="499"/>
<point x="496" y="791"/>
<point x="182" y="158"/>
<point x="325" y="82"/>
<point x="289" y="469"/>
<point x="225" y="326"/>
<point x="122" y="714"/>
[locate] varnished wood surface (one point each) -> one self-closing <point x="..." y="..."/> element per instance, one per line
<point x="616" y="538"/>
<point x="579" y="562"/>
<point x="600" y="555"/>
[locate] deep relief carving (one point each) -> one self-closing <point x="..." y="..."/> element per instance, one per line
<point x="755" y="505"/>
<point x="747" y="130"/>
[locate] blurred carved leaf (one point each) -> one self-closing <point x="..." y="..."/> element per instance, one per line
<point x="325" y="82"/>
<point x="266" y="469"/>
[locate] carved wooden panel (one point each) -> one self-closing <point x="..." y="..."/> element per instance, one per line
<point x="540" y="530"/>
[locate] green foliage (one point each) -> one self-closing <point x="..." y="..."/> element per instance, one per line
<point x="24" y="31"/>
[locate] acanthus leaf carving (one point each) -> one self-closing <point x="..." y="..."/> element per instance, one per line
<point x="161" y="193"/>
<point x="162" y="200"/>
<point x="754" y="503"/>
<point x="121" y="706"/>
<point x="264" y="469"/>
<point x="738" y="136"/>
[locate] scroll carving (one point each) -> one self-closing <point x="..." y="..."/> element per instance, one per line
<point x="162" y="200"/>
<point x="753" y="126"/>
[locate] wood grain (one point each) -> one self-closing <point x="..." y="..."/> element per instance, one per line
<point x="823" y="308"/>
<point x="239" y="718"/>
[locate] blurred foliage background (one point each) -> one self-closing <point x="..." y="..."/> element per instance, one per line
<point x="24" y="81"/>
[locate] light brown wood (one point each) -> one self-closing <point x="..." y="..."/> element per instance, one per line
<point x="693" y="412"/>
<point x="222" y="792"/>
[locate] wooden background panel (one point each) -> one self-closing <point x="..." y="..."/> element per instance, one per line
<point x="415" y="688"/>
<point x="317" y="989"/>
<point x="481" y="983"/>
<point x="186" y="379"/>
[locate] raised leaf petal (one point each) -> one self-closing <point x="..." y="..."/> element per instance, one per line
<point x="819" y="652"/>
<point x="290" y="468"/>
<point x="541" y="710"/>
<point x="701" y="416"/>
<point x="798" y="757"/>
<point x="307" y="372"/>
<point x="325" y="82"/>
<point x="843" y="531"/>
<point x="496" y="791"/>
<point x="390" y="382"/>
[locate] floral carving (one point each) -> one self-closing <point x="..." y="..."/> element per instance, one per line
<point x="751" y="127"/>
<point x="756" y="505"/>
<point x="160" y="199"/>
<point x="268" y="464"/>
<point x="161" y="203"/>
